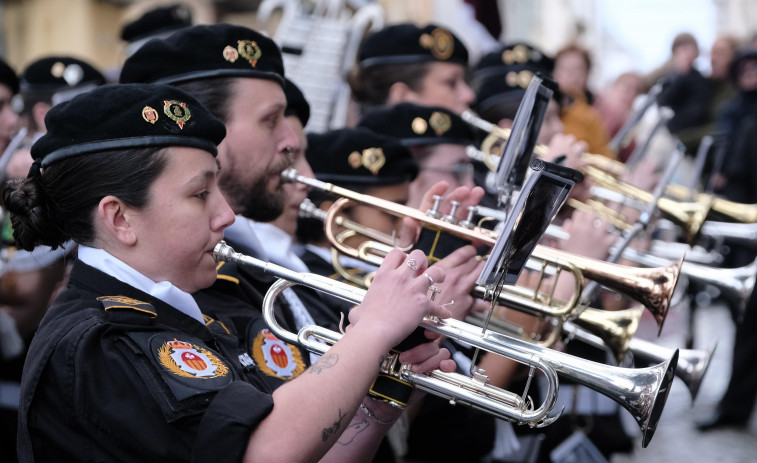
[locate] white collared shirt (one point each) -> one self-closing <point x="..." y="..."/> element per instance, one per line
<point x="163" y="290"/>
<point x="279" y="246"/>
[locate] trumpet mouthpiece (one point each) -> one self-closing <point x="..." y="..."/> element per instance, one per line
<point x="289" y="175"/>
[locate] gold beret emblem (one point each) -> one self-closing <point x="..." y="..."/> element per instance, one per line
<point x="373" y="159"/>
<point x="524" y="78"/>
<point x="440" y="122"/>
<point x="520" y="53"/>
<point x="177" y="111"/>
<point x="419" y="125"/>
<point x="440" y="43"/>
<point x="58" y="69"/>
<point x="250" y="51"/>
<point x="149" y="114"/>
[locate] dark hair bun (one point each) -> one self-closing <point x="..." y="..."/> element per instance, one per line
<point x="27" y="204"/>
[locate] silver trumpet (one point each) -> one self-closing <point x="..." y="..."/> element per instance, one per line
<point x="739" y="233"/>
<point x="692" y="363"/>
<point x="641" y="391"/>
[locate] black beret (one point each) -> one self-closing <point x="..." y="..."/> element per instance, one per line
<point x="157" y="21"/>
<point x="504" y="74"/>
<point x="408" y="43"/>
<point x="8" y="77"/>
<point x="203" y="52"/>
<point x="745" y="54"/>
<point x="56" y="73"/>
<point x="297" y="105"/>
<point x="359" y="156"/>
<point x="514" y="56"/>
<point x="414" y="124"/>
<point x="116" y="117"/>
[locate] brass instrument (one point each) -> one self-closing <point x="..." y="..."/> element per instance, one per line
<point x="614" y="328"/>
<point x="692" y="363"/>
<point x="740" y="233"/>
<point x="690" y="216"/>
<point x="496" y="135"/>
<point x="736" y="283"/>
<point x="651" y="287"/>
<point x="740" y="212"/>
<point x="641" y="391"/>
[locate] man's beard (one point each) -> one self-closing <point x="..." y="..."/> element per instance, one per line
<point x="254" y="201"/>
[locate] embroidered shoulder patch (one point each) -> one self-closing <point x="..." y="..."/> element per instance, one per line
<point x="123" y="302"/>
<point x="275" y="357"/>
<point x="188" y="360"/>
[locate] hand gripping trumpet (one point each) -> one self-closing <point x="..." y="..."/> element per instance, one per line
<point x="641" y="391"/>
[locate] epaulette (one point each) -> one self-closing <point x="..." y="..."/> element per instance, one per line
<point x="227" y="272"/>
<point x="122" y="309"/>
<point x="212" y="323"/>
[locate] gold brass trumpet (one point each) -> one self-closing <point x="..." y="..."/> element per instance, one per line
<point x="641" y="391"/>
<point x="652" y="287"/>
<point x="740" y="212"/>
<point x="690" y="216"/>
<point x="616" y="328"/>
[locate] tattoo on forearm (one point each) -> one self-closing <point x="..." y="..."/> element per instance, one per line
<point x="327" y="361"/>
<point x="352" y="431"/>
<point x="327" y="432"/>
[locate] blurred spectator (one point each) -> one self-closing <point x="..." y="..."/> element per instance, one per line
<point x="579" y="117"/>
<point x="8" y="117"/>
<point x="720" y="88"/>
<point x="685" y="90"/>
<point x="615" y="105"/>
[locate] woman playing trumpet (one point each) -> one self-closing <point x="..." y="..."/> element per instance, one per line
<point x="124" y="365"/>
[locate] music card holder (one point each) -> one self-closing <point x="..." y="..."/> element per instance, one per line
<point x="518" y="150"/>
<point x="542" y="195"/>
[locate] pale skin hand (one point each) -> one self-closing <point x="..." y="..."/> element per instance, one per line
<point x="461" y="267"/>
<point x="568" y="145"/>
<point x="321" y="404"/>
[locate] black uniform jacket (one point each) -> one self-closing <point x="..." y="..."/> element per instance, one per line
<point x="114" y="374"/>
<point x="236" y="300"/>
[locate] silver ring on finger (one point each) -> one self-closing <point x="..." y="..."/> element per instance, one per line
<point x="430" y="279"/>
<point x="412" y="263"/>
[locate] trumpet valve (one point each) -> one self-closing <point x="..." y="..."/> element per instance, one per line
<point x="468" y="222"/>
<point x="434" y="211"/>
<point x="451" y="216"/>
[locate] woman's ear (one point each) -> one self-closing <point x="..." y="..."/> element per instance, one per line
<point x="39" y="111"/>
<point x="114" y="219"/>
<point x="400" y="92"/>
